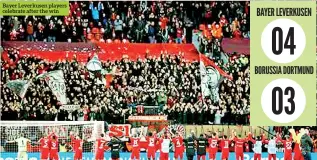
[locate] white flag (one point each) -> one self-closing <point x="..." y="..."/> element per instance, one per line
<point x="94" y="64"/>
<point x="210" y="80"/>
<point x="56" y="82"/>
<point x="18" y="86"/>
<point x="204" y="80"/>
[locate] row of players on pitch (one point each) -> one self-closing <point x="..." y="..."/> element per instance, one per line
<point x="191" y="144"/>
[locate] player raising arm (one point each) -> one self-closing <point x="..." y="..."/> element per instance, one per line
<point x="296" y="138"/>
<point x="239" y="142"/>
<point x="271" y="147"/>
<point x="287" y="143"/>
<point x="54" y="147"/>
<point x="100" y="147"/>
<point x="151" y="149"/>
<point x="44" y="147"/>
<point x="178" y="146"/>
<point x="22" y="147"/>
<point x="201" y="147"/>
<point x="115" y="144"/>
<point x="135" y="155"/>
<point x="190" y="147"/>
<point x="165" y="142"/>
<point x="257" y="147"/>
<point x="213" y="146"/>
<point x="77" y="145"/>
<point x="224" y="144"/>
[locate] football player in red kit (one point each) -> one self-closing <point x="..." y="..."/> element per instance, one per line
<point x="54" y="148"/>
<point x="287" y="143"/>
<point x="135" y="141"/>
<point x="213" y="146"/>
<point x="151" y="149"/>
<point x="77" y="144"/>
<point x="100" y="147"/>
<point x="225" y="143"/>
<point x="239" y="143"/>
<point x="179" y="146"/>
<point x="44" y="147"/>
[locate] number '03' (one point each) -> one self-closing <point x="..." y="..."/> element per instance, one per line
<point x="277" y="35"/>
<point x="277" y="108"/>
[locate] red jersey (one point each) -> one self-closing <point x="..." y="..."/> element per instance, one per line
<point x="239" y="143"/>
<point x="223" y="21"/>
<point x="179" y="33"/>
<point x="213" y="148"/>
<point x="287" y="146"/>
<point x="101" y="144"/>
<point x="78" y="145"/>
<point x="151" y="141"/>
<point x="44" y="144"/>
<point x="54" y="146"/>
<point x="135" y="144"/>
<point x="225" y="144"/>
<point x="297" y="148"/>
<point x="178" y="143"/>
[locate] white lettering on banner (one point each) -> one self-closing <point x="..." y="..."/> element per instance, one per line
<point x="147" y="118"/>
<point x="60" y="131"/>
<point x="13" y="132"/>
<point x="55" y="80"/>
<point x="33" y="132"/>
<point x="71" y="107"/>
<point x="57" y="86"/>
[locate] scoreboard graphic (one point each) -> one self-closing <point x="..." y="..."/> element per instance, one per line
<point x="283" y="63"/>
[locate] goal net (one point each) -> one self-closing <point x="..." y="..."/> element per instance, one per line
<point x="34" y="130"/>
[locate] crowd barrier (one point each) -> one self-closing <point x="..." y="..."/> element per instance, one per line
<point x="126" y="156"/>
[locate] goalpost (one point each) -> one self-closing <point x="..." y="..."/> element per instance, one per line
<point x="34" y="130"/>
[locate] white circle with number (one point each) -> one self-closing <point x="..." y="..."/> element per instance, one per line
<point x="290" y="40"/>
<point x="290" y="100"/>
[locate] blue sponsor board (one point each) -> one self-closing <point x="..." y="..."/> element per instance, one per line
<point x="126" y="156"/>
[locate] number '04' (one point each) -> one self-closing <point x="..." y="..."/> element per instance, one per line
<point x="277" y="35"/>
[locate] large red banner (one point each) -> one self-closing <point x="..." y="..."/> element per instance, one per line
<point x="106" y="51"/>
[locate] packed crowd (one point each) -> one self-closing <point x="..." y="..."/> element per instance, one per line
<point x="166" y="81"/>
<point x="151" y="22"/>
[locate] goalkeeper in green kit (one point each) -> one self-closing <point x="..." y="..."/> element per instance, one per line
<point x="115" y="144"/>
<point x="201" y="147"/>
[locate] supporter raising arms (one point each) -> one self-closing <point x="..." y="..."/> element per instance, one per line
<point x="150" y="22"/>
<point x="175" y="88"/>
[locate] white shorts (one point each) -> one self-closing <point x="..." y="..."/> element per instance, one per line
<point x="22" y="155"/>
